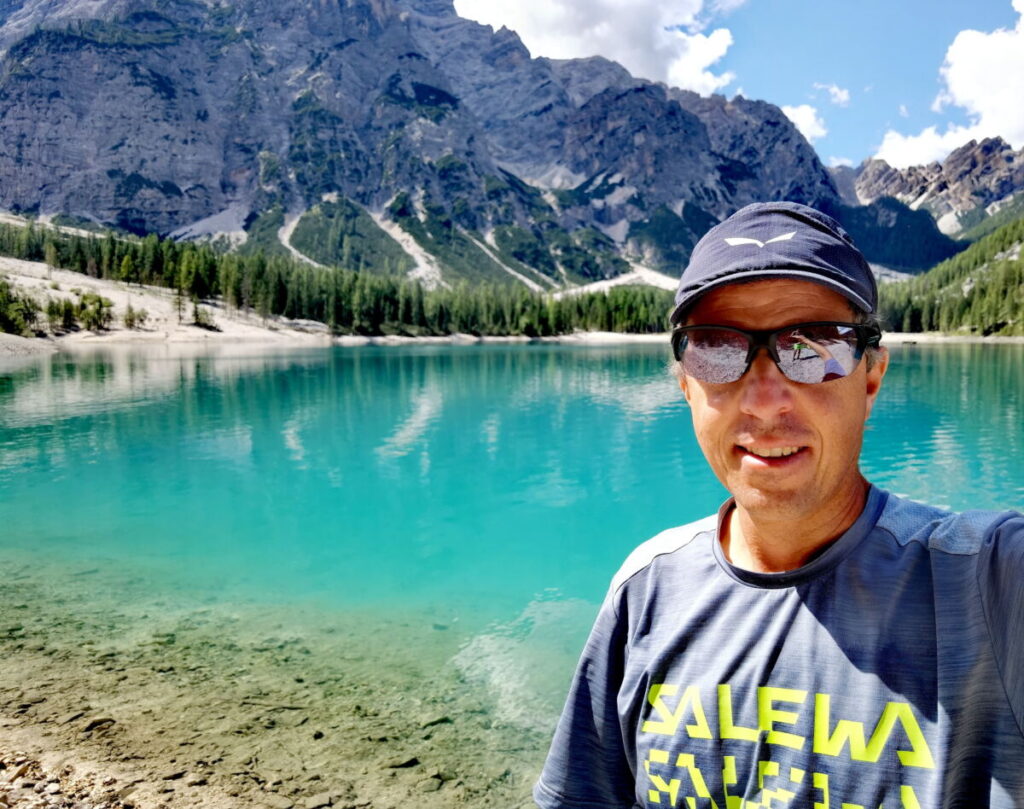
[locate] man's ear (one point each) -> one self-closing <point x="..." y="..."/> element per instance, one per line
<point x="874" y="378"/>
<point x="683" y="387"/>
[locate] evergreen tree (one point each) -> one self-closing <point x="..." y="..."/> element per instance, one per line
<point x="127" y="271"/>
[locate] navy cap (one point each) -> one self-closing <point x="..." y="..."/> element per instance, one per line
<point x="777" y="240"/>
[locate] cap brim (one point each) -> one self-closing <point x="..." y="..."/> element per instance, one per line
<point x="750" y="276"/>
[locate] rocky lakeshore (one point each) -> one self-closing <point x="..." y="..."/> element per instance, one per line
<point x="112" y="696"/>
<point x="28" y="782"/>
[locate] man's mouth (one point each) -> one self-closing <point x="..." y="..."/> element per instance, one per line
<point x="771" y="452"/>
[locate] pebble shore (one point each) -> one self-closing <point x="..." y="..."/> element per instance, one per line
<point x="26" y="782"/>
<point x="116" y="696"/>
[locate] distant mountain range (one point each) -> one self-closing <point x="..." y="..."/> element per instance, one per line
<point x="977" y="188"/>
<point x="396" y="137"/>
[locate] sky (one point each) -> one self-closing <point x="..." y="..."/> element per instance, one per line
<point x="904" y="80"/>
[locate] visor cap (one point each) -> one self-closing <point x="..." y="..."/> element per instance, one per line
<point x="769" y="240"/>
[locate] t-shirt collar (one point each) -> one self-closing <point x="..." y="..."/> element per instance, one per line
<point x="836" y="552"/>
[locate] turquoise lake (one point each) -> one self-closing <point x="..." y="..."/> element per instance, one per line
<point x="488" y="486"/>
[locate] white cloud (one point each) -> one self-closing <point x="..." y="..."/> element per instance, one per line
<point x="698" y="52"/>
<point x="983" y="75"/>
<point x="903" y="111"/>
<point x="926" y="147"/>
<point x="840" y="161"/>
<point x="661" y="41"/>
<point x="839" y="96"/>
<point x="726" y="6"/>
<point x="806" y="119"/>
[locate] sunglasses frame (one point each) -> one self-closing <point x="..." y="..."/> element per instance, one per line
<point x="868" y="336"/>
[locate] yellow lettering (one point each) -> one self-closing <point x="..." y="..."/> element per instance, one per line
<point x="668" y="724"/>
<point x="821" y="783"/>
<point x="846" y="731"/>
<point x="696" y="776"/>
<point x="919" y="755"/>
<point x="908" y="798"/>
<point x="764" y="768"/>
<point x="670" y="788"/>
<point x="768" y="715"/>
<point x="729" y="779"/>
<point x="727" y="728"/>
<point x="770" y="769"/>
<point x="853" y="732"/>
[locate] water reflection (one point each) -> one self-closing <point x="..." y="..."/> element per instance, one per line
<point x="480" y="474"/>
<point x="426" y="407"/>
<point x="349" y="475"/>
<point x="948" y="427"/>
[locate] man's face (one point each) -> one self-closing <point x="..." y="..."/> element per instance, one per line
<point x="737" y="422"/>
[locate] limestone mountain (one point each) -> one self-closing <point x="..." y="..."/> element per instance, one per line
<point x="388" y="135"/>
<point x="975" y="189"/>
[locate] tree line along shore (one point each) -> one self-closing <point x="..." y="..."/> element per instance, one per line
<point x="348" y="302"/>
<point x="978" y="291"/>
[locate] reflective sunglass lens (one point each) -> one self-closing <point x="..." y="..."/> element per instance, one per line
<point x="808" y="353"/>
<point x="715" y="355"/>
<point x="814" y="354"/>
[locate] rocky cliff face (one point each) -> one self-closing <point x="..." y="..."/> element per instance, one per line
<point x="969" y="185"/>
<point x="156" y="117"/>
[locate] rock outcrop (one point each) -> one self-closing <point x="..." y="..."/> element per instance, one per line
<point x="191" y="117"/>
<point x="973" y="182"/>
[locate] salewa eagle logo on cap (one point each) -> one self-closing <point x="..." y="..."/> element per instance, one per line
<point x="733" y="241"/>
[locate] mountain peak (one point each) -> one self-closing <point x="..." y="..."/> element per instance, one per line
<point x="973" y="181"/>
<point x="331" y="121"/>
<point x="430" y="8"/>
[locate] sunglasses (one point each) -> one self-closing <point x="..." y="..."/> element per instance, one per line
<point x="805" y="352"/>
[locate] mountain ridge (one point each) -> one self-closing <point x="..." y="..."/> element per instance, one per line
<point x="960" y="192"/>
<point x="193" y="118"/>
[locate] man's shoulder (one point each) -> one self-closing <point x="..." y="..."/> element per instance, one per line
<point x="668" y="541"/>
<point x="959" y="533"/>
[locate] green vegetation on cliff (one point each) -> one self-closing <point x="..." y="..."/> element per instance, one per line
<point x="349" y="302"/>
<point x="980" y="290"/>
<point x="666" y="240"/>
<point x="437" y="231"/>
<point x="341" y="234"/>
<point x="262" y="234"/>
<point x="979" y="222"/>
<point x="890" y="233"/>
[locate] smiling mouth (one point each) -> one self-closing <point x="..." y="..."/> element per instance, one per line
<point x="773" y="452"/>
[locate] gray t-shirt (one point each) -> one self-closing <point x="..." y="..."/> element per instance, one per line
<point x="887" y="672"/>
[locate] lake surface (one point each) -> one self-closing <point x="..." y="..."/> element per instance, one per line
<point x="494" y="488"/>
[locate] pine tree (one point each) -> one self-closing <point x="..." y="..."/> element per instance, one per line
<point x="127" y="271"/>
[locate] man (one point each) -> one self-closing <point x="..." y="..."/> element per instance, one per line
<point x="819" y="643"/>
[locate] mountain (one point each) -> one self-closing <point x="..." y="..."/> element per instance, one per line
<point x="974" y="190"/>
<point x="897" y="237"/>
<point x="386" y="135"/>
<point x="979" y="291"/>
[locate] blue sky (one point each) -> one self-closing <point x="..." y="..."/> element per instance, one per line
<point x="908" y="81"/>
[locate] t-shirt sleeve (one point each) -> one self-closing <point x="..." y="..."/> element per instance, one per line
<point x="832" y="370"/>
<point x="1001" y="580"/>
<point x="587" y="766"/>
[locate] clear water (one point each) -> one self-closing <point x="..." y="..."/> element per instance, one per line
<point x="495" y="485"/>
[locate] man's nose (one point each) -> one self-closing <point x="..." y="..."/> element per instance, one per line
<point x="766" y="390"/>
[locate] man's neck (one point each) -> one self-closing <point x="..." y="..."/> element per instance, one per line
<point x="764" y="545"/>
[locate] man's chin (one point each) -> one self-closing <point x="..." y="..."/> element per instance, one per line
<point x="773" y="503"/>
